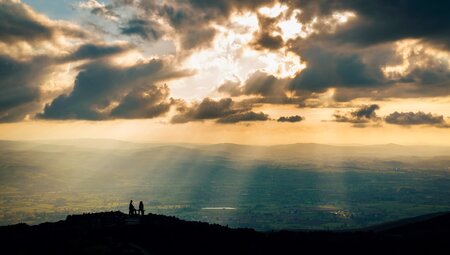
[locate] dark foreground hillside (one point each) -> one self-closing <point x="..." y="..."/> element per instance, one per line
<point x="117" y="233"/>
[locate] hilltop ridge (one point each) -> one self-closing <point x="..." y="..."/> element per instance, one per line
<point x="118" y="233"/>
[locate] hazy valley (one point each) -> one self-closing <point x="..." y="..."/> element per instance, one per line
<point x="299" y="186"/>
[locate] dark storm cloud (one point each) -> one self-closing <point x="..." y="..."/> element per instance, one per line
<point x="348" y="57"/>
<point x="428" y="76"/>
<point x="18" y="22"/>
<point x="20" y="80"/>
<point x="352" y="57"/>
<point x="146" y="29"/>
<point x="19" y="86"/>
<point x="268" y="89"/>
<point x="93" y="51"/>
<point x="385" y="20"/>
<point x="144" y="102"/>
<point x="359" y="117"/>
<point x="208" y="109"/>
<point x="366" y="112"/>
<point x="243" y="117"/>
<point x="267" y="41"/>
<point x="326" y="69"/>
<point x="292" y="119"/>
<point x="416" y="118"/>
<point x="226" y="6"/>
<point x="99" y="86"/>
<point x="192" y="19"/>
<point x="264" y="38"/>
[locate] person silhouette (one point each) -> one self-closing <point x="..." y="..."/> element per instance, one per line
<point x="131" y="208"/>
<point x="141" y="208"/>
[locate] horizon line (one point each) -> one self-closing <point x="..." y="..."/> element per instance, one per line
<point x="222" y="143"/>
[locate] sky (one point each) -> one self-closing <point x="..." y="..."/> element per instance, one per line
<point x="226" y="71"/>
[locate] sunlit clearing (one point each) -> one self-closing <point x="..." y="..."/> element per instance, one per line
<point x="343" y="17"/>
<point x="231" y="56"/>
<point x="273" y="11"/>
<point x="336" y="19"/>
<point x="129" y="58"/>
<point x="246" y="20"/>
<point x="282" y="65"/>
<point x="291" y="28"/>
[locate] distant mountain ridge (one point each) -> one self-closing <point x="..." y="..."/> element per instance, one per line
<point x="308" y="148"/>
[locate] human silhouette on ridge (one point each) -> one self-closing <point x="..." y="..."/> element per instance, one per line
<point x="141" y="208"/>
<point x="131" y="208"/>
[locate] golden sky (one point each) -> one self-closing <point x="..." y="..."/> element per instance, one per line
<point x="251" y="72"/>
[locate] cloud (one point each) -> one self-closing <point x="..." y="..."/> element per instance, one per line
<point x="264" y="88"/>
<point x="19" y="86"/>
<point x="144" y="102"/>
<point x="352" y="57"/>
<point x="346" y="56"/>
<point x="192" y="22"/>
<point x="244" y="116"/>
<point x="359" y="117"/>
<point x="268" y="36"/>
<point x="104" y="91"/>
<point x="197" y="38"/>
<point x="330" y="69"/>
<point x="32" y="48"/>
<point x="231" y="88"/>
<point x="349" y="59"/>
<point x="189" y="25"/>
<point x="19" y="23"/>
<point x="100" y="9"/>
<point x="417" y="118"/>
<point x="92" y="51"/>
<point x="259" y="84"/>
<point x="21" y="93"/>
<point x="208" y="109"/>
<point x="146" y="29"/>
<point x="291" y="119"/>
<point x="267" y="41"/>
<point x="384" y="21"/>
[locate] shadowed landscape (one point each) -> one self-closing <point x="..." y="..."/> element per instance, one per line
<point x="289" y="187"/>
<point x="117" y="233"/>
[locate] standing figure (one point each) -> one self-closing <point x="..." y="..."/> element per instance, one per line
<point x="131" y="208"/>
<point x="141" y="208"/>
